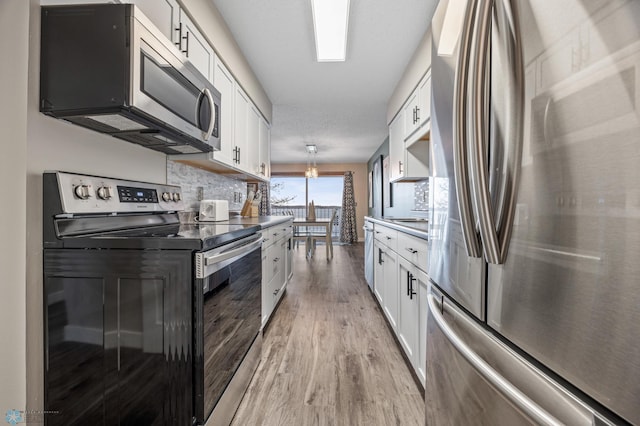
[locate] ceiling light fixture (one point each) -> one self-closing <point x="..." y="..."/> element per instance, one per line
<point x="312" y="171"/>
<point x="330" y="23"/>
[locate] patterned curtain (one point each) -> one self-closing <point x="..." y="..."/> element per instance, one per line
<point x="348" y="229"/>
<point x="264" y="209"/>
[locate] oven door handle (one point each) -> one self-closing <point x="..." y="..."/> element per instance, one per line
<point x="205" y="264"/>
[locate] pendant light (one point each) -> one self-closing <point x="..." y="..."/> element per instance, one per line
<point x="312" y="171"/>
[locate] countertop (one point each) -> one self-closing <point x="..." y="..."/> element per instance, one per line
<point x="262" y="221"/>
<point x="417" y="229"/>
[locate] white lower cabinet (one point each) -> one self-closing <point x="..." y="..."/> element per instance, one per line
<point x="401" y="289"/>
<point x="378" y="271"/>
<point x="423" y="291"/>
<point x="276" y="265"/>
<point x="409" y="309"/>
<point x="390" y="301"/>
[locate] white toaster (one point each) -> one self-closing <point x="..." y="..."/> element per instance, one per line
<point x="213" y="210"/>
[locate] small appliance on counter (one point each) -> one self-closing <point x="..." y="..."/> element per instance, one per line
<point x="213" y="211"/>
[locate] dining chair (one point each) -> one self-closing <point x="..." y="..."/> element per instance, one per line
<point x="326" y="234"/>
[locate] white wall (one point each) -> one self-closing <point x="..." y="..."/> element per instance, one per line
<point x="14" y="20"/>
<point x="418" y="65"/>
<point x="217" y="32"/>
<point x="56" y="145"/>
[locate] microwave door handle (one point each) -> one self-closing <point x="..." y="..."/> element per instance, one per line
<point x="212" y="123"/>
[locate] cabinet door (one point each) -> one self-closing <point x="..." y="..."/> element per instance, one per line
<point x="266" y="295"/>
<point x="423" y="290"/>
<point x="165" y="14"/>
<point x="396" y="148"/>
<point x="408" y="315"/>
<point x="265" y="149"/>
<point x="391" y="287"/>
<point x="410" y="113"/>
<point x="253" y="140"/>
<point x="225" y="83"/>
<point x="423" y="111"/>
<point x="195" y="47"/>
<point x="240" y="119"/>
<point x="378" y="272"/>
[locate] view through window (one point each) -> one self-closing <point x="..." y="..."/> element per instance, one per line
<point x="292" y="195"/>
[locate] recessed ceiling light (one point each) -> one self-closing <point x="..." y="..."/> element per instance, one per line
<point x="330" y="23"/>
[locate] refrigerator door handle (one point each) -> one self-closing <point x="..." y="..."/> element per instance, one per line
<point x="509" y="41"/>
<point x="513" y="394"/>
<point x="496" y="232"/>
<point x="478" y="149"/>
<point x="460" y="162"/>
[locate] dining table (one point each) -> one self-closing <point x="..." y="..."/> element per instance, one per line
<point x="309" y="237"/>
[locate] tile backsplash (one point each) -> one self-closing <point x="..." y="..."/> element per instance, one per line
<point x="214" y="186"/>
<point x="421" y="195"/>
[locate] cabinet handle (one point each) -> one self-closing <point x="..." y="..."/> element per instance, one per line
<point x="238" y="155"/>
<point x="408" y="283"/>
<point x="186" y="52"/>
<point x="265" y="240"/>
<point x="411" y="279"/>
<point x="276" y="259"/>
<point x="400" y="171"/>
<point x="388" y="237"/>
<point x="179" y="42"/>
<point x="380" y="261"/>
<point x="417" y="114"/>
<point x="410" y="250"/>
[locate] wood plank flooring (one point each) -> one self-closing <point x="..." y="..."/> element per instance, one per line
<point x="328" y="356"/>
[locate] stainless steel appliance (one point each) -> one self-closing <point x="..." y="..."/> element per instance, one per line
<point x="534" y="213"/>
<point x="147" y="320"/>
<point x="368" y="252"/>
<point x="108" y="68"/>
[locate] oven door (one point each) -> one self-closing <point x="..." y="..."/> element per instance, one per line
<point x="227" y="319"/>
<point x="170" y="89"/>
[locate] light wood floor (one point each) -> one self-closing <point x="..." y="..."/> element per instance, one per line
<point x="328" y="357"/>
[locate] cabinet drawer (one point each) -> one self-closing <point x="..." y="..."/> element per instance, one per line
<point x="387" y="236"/>
<point x="413" y="249"/>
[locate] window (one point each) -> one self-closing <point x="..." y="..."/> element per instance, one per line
<point x="292" y="195"/>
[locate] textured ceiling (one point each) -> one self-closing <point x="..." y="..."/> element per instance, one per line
<point x="339" y="106"/>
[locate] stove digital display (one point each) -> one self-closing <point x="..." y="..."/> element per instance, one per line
<point x="129" y="194"/>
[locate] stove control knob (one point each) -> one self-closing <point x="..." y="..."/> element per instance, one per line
<point x="82" y="191"/>
<point x="176" y="197"/>
<point x="166" y="196"/>
<point x="105" y="192"/>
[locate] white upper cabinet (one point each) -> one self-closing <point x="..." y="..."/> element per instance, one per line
<point x="410" y="113"/>
<point x="409" y="135"/>
<point x="423" y="112"/>
<point x="253" y="140"/>
<point x="194" y="46"/>
<point x="225" y="83"/>
<point x="265" y="149"/>
<point x="396" y="148"/>
<point x="417" y="109"/>
<point x="165" y="14"/>
<point x="240" y="128"/>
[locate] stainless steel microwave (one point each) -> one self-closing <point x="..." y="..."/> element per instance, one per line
<point x="108" y="68"/>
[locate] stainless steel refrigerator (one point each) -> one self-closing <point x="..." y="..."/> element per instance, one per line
<point x="534" y="307"/>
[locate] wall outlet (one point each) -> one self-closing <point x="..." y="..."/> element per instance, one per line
<point x="199" y="193"/>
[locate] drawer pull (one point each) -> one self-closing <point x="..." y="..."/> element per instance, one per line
<point x="388" y="237"/>
<point x="410" y="250"/>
